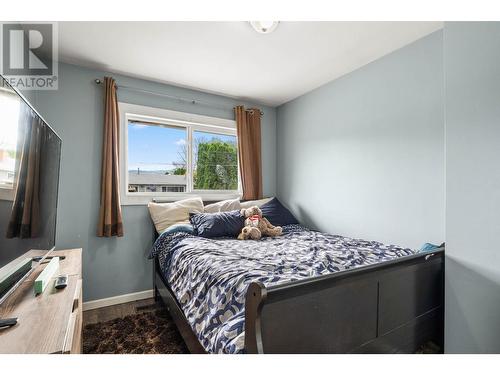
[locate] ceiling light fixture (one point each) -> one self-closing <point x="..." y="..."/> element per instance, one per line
<point x="264" y="27"/>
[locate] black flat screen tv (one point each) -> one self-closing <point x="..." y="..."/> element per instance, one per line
<point x="30" y="152"/>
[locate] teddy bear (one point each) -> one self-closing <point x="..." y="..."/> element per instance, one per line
<point x="257" y="226"/>
<point x="249" y="232"/>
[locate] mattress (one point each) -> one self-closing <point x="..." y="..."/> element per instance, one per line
<point x="210" y="277"/>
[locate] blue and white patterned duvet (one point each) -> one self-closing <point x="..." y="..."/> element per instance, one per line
<point x="210" y="277"/>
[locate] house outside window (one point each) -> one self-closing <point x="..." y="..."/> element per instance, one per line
<point x="168" y="155"/>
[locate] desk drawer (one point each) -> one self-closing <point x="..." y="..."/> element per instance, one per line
<point x="73" y="341"/>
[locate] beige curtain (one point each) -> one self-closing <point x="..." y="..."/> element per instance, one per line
<point x="110" y="213"/>
<point x="249" y="151"/>
<point x="25" y="216"/>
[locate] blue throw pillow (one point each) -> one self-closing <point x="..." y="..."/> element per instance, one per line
<point x="219" y="224"/>
<point x="277" y="214"/>
<point x="185" y="228"/>
<point x="429" y="247"/>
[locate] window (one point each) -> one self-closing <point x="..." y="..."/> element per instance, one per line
<point x="156" y="157"/>
<point x="10" y="109"/>
<point x="167" y="154"/>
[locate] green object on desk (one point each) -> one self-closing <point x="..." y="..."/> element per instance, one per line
<point x="43" y="279"/>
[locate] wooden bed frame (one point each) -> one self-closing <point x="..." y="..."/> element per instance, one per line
<point x="390" y="307"/>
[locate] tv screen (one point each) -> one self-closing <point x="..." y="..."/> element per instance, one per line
<point x="29" y="177"/>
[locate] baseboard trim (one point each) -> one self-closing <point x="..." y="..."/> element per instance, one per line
<point x="116" y="300"/>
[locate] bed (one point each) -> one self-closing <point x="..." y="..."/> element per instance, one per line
<point x="303" y="292"/>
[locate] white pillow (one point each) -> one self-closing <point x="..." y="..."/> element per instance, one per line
<point x="165" y="215"/>
<point x="258" y="203"/>
<point x="222" y="206"/>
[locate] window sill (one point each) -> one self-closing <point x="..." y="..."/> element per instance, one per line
<point x="144" y="199"/>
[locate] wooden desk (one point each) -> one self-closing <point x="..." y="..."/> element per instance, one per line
<point x="50" y="322"/>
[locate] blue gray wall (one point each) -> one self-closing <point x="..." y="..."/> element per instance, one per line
<point x="363" y="155"/>
<point x="115" y="266"/>
<point x="472" y="84"/>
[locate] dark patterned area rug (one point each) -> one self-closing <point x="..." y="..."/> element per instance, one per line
<point x="429" y="348"/>
<point x="151" y="332"/>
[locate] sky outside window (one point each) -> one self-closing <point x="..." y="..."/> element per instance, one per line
<point x="154" y="148"/>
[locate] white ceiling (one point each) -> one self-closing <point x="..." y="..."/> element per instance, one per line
<point x="230" y="58"/>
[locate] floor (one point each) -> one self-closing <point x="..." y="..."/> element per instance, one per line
<point x="140" y="327"/>
<point x="108" y="313"/>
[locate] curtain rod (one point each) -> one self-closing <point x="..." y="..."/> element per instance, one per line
<point x="192" y="101"/>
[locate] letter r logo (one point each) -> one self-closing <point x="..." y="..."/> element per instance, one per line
<point x="27" y="49"/>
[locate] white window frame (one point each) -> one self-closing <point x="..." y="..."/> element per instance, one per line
<point x="191" y="123"/>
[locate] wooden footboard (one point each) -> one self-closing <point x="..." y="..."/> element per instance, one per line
<point x="391" y="307"/>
